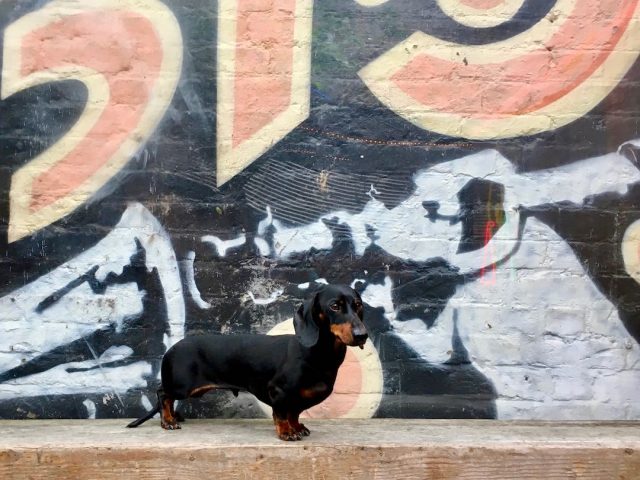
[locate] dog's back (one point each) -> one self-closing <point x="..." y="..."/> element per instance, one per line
<point x="237" y="362"/>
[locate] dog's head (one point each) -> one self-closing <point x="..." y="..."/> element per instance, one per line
<point x="337" y="309"/>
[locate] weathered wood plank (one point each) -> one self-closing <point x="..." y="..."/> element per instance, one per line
<point x="357" y="449"/>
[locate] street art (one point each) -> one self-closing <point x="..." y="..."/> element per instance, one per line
<point x="263" y="78"/>
<point x="129" y="76"/>
<point x="526" y="367"/>
<point x="571" y="64"/>
<point x="110" y="313"/>
<point x="176" y="167"/>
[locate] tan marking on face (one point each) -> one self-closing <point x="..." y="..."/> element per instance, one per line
<point x="344" y="332"/>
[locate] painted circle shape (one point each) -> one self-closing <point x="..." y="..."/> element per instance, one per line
<point x="358" y="389"/>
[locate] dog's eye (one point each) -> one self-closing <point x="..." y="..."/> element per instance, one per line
<point x="334" y="306"/>
<point x="358" y="305"/>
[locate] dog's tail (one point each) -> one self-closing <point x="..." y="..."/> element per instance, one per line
<point x="148" y="416"/>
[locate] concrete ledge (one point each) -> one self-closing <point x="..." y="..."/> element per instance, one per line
<point x="340" y="449"/>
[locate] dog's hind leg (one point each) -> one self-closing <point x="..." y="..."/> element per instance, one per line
<point x="168" y="420"/>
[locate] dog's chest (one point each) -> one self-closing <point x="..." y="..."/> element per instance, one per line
<point x="315" y="392"/>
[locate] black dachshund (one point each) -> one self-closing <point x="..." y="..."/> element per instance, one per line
<point x="291" y="373"/>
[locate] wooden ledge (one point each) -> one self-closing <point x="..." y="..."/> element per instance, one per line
<point x="341" y="449"/>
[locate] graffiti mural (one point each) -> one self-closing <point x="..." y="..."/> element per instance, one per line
<point x="470" y="167"/>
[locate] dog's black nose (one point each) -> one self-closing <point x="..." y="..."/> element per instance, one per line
<point x="361" y="338"/>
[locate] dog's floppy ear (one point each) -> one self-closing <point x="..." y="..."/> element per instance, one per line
<point x="305" y="325"/>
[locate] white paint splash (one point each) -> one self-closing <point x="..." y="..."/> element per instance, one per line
<point x="91" y="408"/>
<point x="263" y="246"/>
<point x="266" y="301"/>
<point x="550" y="342"/>
<point x="189" y="274"/>
<point x="552" y="345"/>
<point x="146" y="404"/>
<point x="25" y="333"/>
<point x="265" y="223"/>
<point x="223" y="245"/>
<point x="81" y="378"/>
<point x="404" y="232"/>
<point x="137" y="222"/>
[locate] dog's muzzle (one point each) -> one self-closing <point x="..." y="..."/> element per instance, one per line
<point x="360" y="338"/>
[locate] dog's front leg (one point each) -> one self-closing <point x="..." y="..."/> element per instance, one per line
<point x="297" y="426"/>
<point x="284" y="429"/>
<point x="281" y="416"/>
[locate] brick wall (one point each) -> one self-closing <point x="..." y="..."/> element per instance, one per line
<point x="470" y="166"/>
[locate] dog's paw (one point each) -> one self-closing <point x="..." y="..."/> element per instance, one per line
<point x="170" y="426"/>
<point x="304" y="431"/>
<point x="290" y="436"/>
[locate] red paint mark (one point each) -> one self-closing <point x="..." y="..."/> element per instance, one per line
<point x="125" y="49"/>
<point x="489" y="255"/>
<point x="528" y="83"/>
<point x="263" y="64"/>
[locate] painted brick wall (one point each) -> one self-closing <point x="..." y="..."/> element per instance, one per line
<point x="470" y="166"/>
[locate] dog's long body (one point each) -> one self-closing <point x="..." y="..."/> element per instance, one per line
<point x="291" y="373"/>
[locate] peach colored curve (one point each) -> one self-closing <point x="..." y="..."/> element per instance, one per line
<point x="539" y="80"/>
<point x="125" y="48"/>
